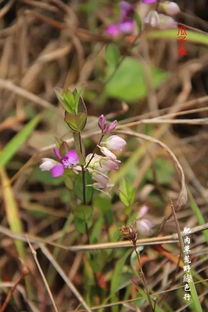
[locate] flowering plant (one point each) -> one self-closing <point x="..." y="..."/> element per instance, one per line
<point x="159" y="17"/>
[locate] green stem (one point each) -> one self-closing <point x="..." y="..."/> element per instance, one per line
<point x="144" y="280"/>
<point x="93" y="154"/>
<point x="84" y="185"/>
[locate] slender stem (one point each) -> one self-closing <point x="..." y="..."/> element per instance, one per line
<point x="93" y="154"/>
<point x="144" y="279"/>
<point x="83" y="185"/>
<point x="80" y="144"/>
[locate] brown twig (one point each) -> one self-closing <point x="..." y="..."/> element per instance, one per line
<point x="25" y="272"/>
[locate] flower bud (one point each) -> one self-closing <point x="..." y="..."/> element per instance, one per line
<point x="143" y="211"/>
<point x="169" y="7"/>
<point x="144" y="226"/>
<point x="106" y="127"/>
<point x="109" y="164"/>
<point x="102" y="122"/>
<point x="115" y="143"/>
<point x="166" y="22"/>
<point x="110" y="127"/>
<point x="152" y="19"/>
<point x="75" y="109"/>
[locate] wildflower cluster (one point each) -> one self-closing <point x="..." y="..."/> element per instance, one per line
<point x="160" y="18"/>
<point x="97" y="165"/>
<point x="126" y="23"/>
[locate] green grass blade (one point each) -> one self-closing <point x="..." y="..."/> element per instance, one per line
<point x="192" y="36"/>
<point x="11" y="148"/>
<point x="196" y="305"/>
<point x="198" y="214"/>
<point x="12" y="212"/>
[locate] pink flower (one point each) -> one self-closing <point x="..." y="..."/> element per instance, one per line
<point x="161" y="21"/>
<point x="170" y="8"/>
<point x="143" y="225"/>
<point x="126" y="23"/>
<point x="113" y="30"/>
<point x="126" y="26"/>
<point x="107" y="153"/>
<point x="115" y="143"/>
<point x="57" y="168"/>
<point x="127" y="9"/>
<point x="152" y="19"/>
<point x="166" y="22"/>
<point x="106" y="127"/>
<point x="149" y="1"/>
<point x="101" y="181"/>
<point x="109" y="164"/>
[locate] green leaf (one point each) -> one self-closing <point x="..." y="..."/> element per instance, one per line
<point x="126" y="193"/>
<point x="12" y="211"/>
<point x="79" y="189"/>
<point x="83" y="212"/>
<point x="14" y="144"/>
<point x="103" y="203"/>
<point x="112" y="54"/>
<point x="128" y="83"/>
<point x="80" y="225"/>
<point x="77" y="121"/>
<point x="198" y="214"/>
<point x="192" y="36"/>
<point x="116" y="278"/>
<point x="196" y="305"/>
<point x="67" y="99"/>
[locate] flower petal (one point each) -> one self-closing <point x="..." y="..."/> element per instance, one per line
<point x="113" y="30"/>
<point x="57" y="153"/>
<point x="126" y="27"/>
<point x="70" y="159"/>
<point x="57" y="170"/>
<point x="144" y="226"/>
<point x="47" y="164"/>
<point x="115" y="143"/>
<point x="107" y="153"/>
<point x="143" y="211"/>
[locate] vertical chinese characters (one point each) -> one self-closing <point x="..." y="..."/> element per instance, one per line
<point x="182" y="37"/>
<point x="187" y="278"/>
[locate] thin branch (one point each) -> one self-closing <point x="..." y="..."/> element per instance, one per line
<point x="168" y="239"/>
<point x="42" y="275"/>
<point x="182" y="196"/>
<point x="64" y="276"/>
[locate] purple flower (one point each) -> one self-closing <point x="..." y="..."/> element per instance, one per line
<point x="106" y="127"/>
<point x="115" y="143"/>
<point x="57" y="168"/>
<point x="127" y="10"/>
<point x="126" y="27"/>
<point x="126" y="23"/>
<point x="113" y="30"/>
<point x="149" y="1"/>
